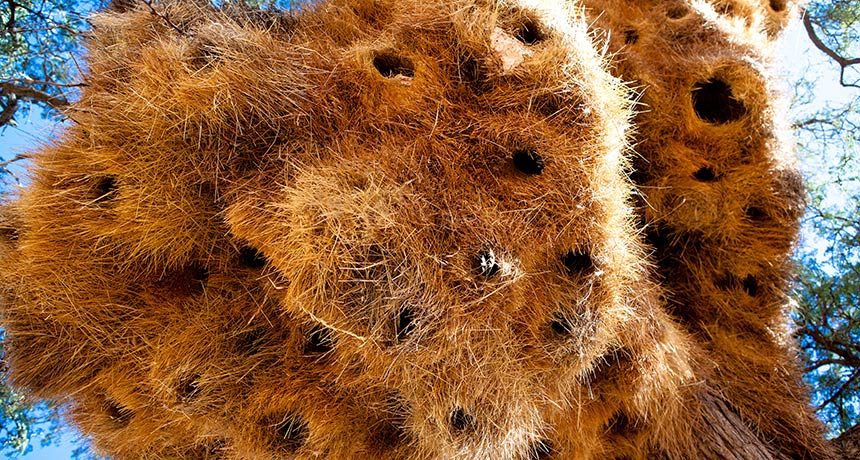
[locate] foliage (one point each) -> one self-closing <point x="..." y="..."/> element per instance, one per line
<point x="39" y="42"/>
<point x="828" y="286"/>
<point x="22" y="422"/>
<point x="40" y="45"/>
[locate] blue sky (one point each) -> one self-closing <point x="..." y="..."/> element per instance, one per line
<point x="796" y="58"/>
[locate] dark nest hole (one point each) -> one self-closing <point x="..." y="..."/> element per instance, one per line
<point x="461" y="420"/>
<point x="198" y="277"/>
<point x="541" y="450"/>
<point x="756" y="214"/>
<point x="404" y="324"/>
<point x="561" y="324"/>
<point x="528" y="161"/>
<point x="714" y="103"/>
<point x="289" y="432"/>
<point x="778" y="5"/>
<point x="389" y="65"/>
<point x="105" y="189"/>
<point x="660" y="239"/>
<point x="577" y="262"/>
<point x="320" y="341"/>
<point x="188" y="388"/>
<point x="639" y="172"/>
<point x="10" y="233"/>
<point x="750" y="285"/>
<point x="728" y="281"/>
<point x="390" y="432"/>
<point x="252" y="258"/>
<point x="631" y="36"/>
<point x="530" y="33"/>
<point x="705" y="174"/>
<point x="119" y="414"/>
<point x="486" y="263"/>
<point x="671" y="250"/>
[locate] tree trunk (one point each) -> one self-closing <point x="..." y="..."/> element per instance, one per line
<point x="725" y="436"/>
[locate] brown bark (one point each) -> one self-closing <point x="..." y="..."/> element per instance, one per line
<point x="725" y="436"/>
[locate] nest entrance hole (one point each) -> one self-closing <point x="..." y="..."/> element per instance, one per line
<point x="750" y="285"/>
<point x="705" y="174"/>
<point x="530" y="33"/>
<point x="487" y="264"/>
<point x="105" y="189"/>
<point x="188" y="388"/>
<point x="528" y="161"/>
<point x="577" y="262"/>
<point x="405" y="323"/>
<point x="119" y="414"/>
<point x="252" y="258"/>
<point x="714" y="102"/>
<point x="320" y="341"/>
<point x="389" y="65"/>
<point x="461" y="420"/>
<point x="756" y="214"/>
<point x="677" y="12"/>
<point x="631" y="36"/>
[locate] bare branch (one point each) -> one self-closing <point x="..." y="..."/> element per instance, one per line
<point x="19" y="157"/>
<point x="26" y="92"/>
<point x="836" y="394"/>
<point x="167" y="20"/>
<point x="9" y="111"/>
<point x="843" y="62"/>
<point x="46" y="83"/>
<point x="812" y="121"/>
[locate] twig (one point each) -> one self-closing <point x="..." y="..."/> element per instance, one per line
<point x="46" y="83"/>
<point x="18" y="157"/>
<point x="839" y="391"/>
<point x="162" y="16"/>
<point x="9" y="110"/>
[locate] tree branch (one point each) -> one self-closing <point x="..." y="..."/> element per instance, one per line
<point x="11" y="22"/>
<point x="167" y="20"/>
<point x="26" y="92"/>
<point x="843" y="62"/>
<point x="5" y="164"/>
<point x="839" y="391"/>
<point x="46" y="83"/>
<point x="9" y="110"/>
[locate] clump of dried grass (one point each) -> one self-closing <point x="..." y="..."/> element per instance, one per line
<point x="378" y="229"/>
